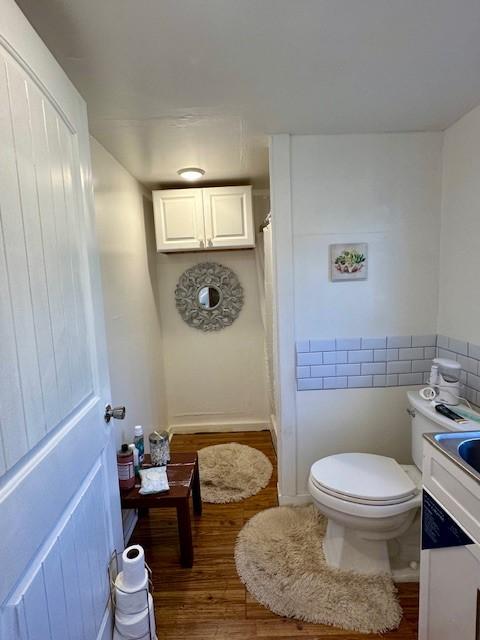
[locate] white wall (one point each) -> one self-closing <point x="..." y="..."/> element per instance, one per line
<point x="383" y="189"/>
<point x="124" y="217"/>
<point x="216" y="379"/>
<point x="459" y="309"/>
<point x="380" y="189"/>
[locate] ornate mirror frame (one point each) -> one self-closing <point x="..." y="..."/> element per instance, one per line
<point x="203" y="275"/>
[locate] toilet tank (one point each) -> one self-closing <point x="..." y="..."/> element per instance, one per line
<point x="426" y="420"/>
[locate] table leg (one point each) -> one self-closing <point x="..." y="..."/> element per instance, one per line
<point x="185" y="533"/>
<point x="196" y="494"/>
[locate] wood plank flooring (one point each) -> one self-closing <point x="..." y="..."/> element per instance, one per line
<point x="209" y="601"/>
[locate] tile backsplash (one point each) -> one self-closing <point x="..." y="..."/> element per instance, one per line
<point x="387" y="361"/>
<point x="468" y="355"/>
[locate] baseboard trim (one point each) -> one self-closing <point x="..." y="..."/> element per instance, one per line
<point x="220" y="427"/>
<point x="298" y="500"/>
<point x="130" y="519"/>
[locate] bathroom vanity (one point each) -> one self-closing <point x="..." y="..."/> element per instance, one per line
<point x="450" y="557"/>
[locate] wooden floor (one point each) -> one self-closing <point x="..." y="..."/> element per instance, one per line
<point x="209" y="601"/>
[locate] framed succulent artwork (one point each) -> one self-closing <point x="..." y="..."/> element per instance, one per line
<point x="349" y="261"/>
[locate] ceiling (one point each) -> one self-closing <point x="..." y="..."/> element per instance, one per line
<point x="175" y="83"/>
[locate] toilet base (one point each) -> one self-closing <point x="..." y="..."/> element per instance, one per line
<point x="345" y="549"/>
<point x="399" y="556"/>
<point x="404" y="553"/>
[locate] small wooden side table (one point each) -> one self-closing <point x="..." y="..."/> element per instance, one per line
<point x="184" y="480"/>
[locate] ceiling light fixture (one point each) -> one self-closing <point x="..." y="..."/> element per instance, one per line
<point x="191" y="174"/>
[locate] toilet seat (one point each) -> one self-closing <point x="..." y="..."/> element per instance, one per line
<point x="373" y="503"/>
<point x="370" y="510"/>
<point x="363" y="478"/>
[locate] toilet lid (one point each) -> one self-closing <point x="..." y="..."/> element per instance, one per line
<point x="364" y="477"/>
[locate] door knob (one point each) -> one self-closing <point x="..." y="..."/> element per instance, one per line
<point x="118" y="413"/>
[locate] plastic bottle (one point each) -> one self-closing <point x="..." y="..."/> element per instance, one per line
<point x="139" y="443"/>
<point x="126" y="472"/>
<point x="136" y="464"/>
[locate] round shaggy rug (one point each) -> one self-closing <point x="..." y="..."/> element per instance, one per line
<point x="231" y="472"/>
<point x="279" y="558"/>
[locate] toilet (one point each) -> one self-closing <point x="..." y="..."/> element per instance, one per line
<point x="372" y="501"/>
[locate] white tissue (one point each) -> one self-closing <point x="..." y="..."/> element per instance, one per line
<point x="154" y="480"/>
<point x="137" y="625"/>
<point x="133" y="564"/>
<point x="130" y="600"/>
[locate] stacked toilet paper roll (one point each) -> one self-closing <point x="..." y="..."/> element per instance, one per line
<point x="135" y="626"/>
<point x="134" y="570"/>
<point x="134" y="613"/>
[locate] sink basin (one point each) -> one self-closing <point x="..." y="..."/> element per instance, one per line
<point x="462" y="447"/>
<point x="469" y="450"/>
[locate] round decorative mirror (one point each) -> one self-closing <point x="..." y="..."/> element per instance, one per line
<point x="209" y="296"/>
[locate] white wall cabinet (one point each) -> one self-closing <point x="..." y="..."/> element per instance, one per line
<point x="202" y="219"/>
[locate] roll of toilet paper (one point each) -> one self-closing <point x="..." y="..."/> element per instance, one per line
<point x="136" y="625"/>
<point x="117" y="636"/>
<point x="133" y="563"/>
<point x="128" y="600"/>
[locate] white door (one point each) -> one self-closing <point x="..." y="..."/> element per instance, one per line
<point x="228" y="217"/>
<point x="179" y="219"/>
<point x="59" y="503"/>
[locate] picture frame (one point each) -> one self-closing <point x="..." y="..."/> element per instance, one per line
<point x="349" y="261"/>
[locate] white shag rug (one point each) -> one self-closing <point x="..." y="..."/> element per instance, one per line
<point x="279" y="557"/>
<point x="232" y="472"/>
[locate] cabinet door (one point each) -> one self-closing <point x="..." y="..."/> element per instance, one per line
<point x="450" y="594"/>
<point x="179" y="222"/>
<point x="228" y="217"/>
